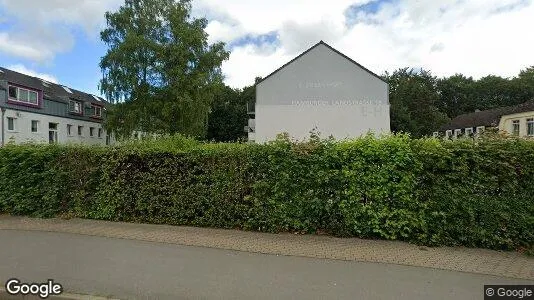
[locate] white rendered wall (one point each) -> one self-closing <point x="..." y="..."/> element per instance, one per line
<point x="321" y="90"/>
<point x="23" y="134"/>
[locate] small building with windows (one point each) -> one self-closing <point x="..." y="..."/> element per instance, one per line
<point x="517" y="120"/>
<point x="35" y="110"/>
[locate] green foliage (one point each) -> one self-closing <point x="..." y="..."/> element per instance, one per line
<point x="475" y="193"/>
<point x="228" y="116"/>
<point x="414" y="97"/>
<point x="421" y="103"/>
<point x="159" y="68"/>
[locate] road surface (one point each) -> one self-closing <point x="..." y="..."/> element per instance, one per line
<point x="129" y="269"/>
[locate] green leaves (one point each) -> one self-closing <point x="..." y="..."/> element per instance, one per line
<point x="426" y="191"/>
<point x="159" y="69"/>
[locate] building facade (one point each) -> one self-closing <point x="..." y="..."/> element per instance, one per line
<point x="321" y="90"/>
<point x="517" y="120"/>
<point x="34" y="110"/>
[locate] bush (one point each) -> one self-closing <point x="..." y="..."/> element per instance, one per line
<point x="426" y="191"/>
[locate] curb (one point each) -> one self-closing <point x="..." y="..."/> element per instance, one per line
<point x="64" y="296"/>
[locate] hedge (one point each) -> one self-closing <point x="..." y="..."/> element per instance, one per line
<point x="425" y="191"/>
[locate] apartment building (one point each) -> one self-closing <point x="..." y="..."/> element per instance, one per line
<point x="35" y="110"/>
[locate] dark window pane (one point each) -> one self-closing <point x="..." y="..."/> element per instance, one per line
<point x="33" y="98"/>
<point x="13" y="92"/>
<point x="10" y="124"/>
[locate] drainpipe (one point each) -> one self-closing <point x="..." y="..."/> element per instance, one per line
<point x="3" y="125"/>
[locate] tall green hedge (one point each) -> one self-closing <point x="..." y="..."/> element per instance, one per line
<point x="427" y="191"/>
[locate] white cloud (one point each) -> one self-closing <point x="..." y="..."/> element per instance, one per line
<point x="88" y="14"/>
<point x="39" y="30"/>
<point x="476" y="37"/>
<point x="22" y="69"/>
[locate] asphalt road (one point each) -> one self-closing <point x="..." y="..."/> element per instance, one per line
<point x="129" y="269"/>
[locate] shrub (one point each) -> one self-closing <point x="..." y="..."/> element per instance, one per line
<point x="426" y="191"/>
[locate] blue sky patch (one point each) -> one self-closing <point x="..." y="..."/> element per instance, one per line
<point x="270" y="38"/>
<point x="357" y="13"/>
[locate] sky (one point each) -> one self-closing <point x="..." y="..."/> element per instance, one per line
<point x="58" y="40"/>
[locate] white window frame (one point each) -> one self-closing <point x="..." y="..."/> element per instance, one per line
<point x="54" y="132"/>
<point x="91" y="131"/>
<point x="69" y="130"/>
<point x="18" y="98"/>
<point x="80" y="130"/>
<point x="469" y="131"/>
<point x="77" y="108"/>
<point x="448" y="134"/>
<point x="14" y="122"/>
<point x="514" y="123"/>
<point x="95" y="107"/>
<point x="435" y="134"/>
<point x="457" y="133"/>
<point x="36" y="126"/>
<point x="530" y="125"/>
<point x="100" y="132"/>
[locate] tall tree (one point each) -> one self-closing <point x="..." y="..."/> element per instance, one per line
<point x="413" y="98"/>
<point x="159" y="68"/>
<point x="456" y="95"/>
<point x="524" y="83"/>
<point x="230" y="113"/>
<point x="228" y="116"/>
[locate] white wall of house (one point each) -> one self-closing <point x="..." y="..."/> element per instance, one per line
<point x="22" y="132"/>
<point x="325" y="91"/>
<point x="524" y="118"/>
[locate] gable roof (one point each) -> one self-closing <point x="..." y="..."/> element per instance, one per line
<point x="50" y="90"/>
<point x="488" y="118"/>
<point x="331" y="48"/>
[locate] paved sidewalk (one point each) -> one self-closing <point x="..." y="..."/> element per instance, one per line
<point x="481" y="261"/>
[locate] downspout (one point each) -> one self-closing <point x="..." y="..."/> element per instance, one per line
<point x="3" y="125"/>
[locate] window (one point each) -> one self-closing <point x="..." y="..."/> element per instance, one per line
<point x="13" y="92"/>
<point x="69" y="129"/>
<point x="448" y="134"/>
<point x="75" y="107"/>
<point x="91" y="131"/>
<point x="80" y="130"/>
<point x="100" y="131"/>
<point x="10" y="124"/>
<point x="97" y="111"/>
<point x="35" y="125"/>
<point x="515" y="127"/>
<point x="457" y="133"/>
<point x="469" y="132"/>
<point x="480" y="129"/>
<point x="52" y="136"/>
<point x="530" y="127"/>
<point x="23" y="95"/>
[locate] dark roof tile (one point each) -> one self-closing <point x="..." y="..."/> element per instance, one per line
<point x="488" y="118"/>
<point x="51" y="90"/>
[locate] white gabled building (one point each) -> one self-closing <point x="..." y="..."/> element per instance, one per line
<point x="34" y="110"/>
<point x="320" y="89"/>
